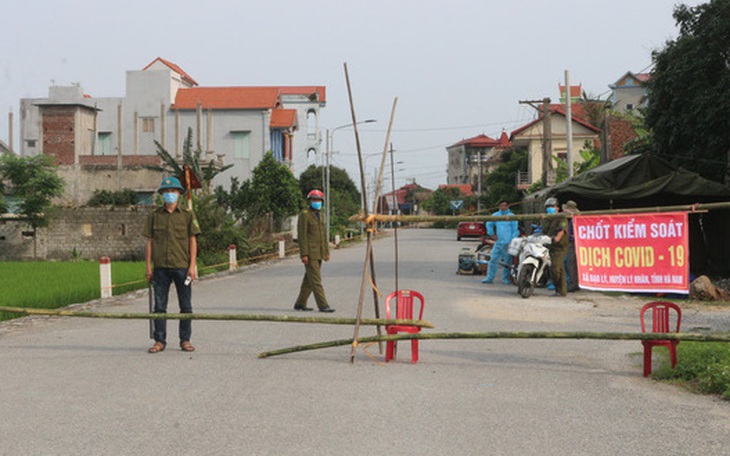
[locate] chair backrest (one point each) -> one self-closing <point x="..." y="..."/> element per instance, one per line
<point x="660" y="316"/>
<point x="404" y="304"/>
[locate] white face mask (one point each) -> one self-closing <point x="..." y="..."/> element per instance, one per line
<point x="170" y="197"/>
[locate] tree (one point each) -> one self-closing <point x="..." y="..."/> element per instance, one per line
<point x="344" y="196"/>
<point x="501" y="182"/>
<point x="439" y="203"/>
<point x="590" y="158"/>
<point x="273" y="191"/>
<point x="206" y="172"/>
<point x="689" y="91"/>
<point x="34" y="181"/>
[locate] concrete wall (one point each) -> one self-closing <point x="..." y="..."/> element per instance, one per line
<point x="91" y="232"/>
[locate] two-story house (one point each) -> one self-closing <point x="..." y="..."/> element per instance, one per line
<point x="472" y="157"/>
<point x="535" y="138"/>
<point x="108" y="143"/>
<point x="629" y="92"/>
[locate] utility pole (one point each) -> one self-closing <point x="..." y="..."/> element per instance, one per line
<point x="547" y="147"/>
<point x="479" y="184"/>
<point x="568" y="126"/>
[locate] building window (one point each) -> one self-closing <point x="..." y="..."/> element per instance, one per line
<point x="104" y="143"/>
<point x="30" y="143"/>
<point x="629" y="106"/>
<point x="241" y="144"/>
<point x="148" y="124"/>
<point x="312" y="124"/>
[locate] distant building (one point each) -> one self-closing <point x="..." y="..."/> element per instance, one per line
<point x="533" y="137"/>
<point x="474" y="156"/>
<point x="405" y="200"/>
<point x="629" y="92"/>
<point x="109" y="143"/>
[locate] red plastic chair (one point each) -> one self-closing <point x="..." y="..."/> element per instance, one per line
<point x="660" y="323"/>
<point x="403" y="310"/>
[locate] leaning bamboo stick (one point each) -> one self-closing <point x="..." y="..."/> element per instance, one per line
<point x="691" y="208"/>
<point x="694" y="337"/>
<point x="221" y="317"/>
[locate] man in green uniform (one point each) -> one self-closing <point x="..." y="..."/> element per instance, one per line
<point x="556" y="228"/>
<point x="313" y="248"/>
<point x="172" y="248"/>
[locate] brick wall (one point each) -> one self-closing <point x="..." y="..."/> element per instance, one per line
<point x="58" y="133"/>
<point x="620" y="132"/>
<point x="91" y="232"/>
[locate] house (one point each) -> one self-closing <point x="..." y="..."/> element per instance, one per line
<point x="629" y="92"/>
<point x="532" y="136"/>
<point x="620" y="125"/>
<point x="108" y="143"/>
<point x="472" y="157"/>
<point x="404" y="200"/>
<point x="465" y="189"/>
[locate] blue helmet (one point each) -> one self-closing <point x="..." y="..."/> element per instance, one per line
<point x="171" y="182"/>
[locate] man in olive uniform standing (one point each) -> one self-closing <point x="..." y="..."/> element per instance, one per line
<point x="172" y="248"/>
<point x="557" y="229"/>
<point x="313" y="248"/>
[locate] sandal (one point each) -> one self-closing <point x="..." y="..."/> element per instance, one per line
<point x="158" y="347"/>
<point x="186" y="346"/>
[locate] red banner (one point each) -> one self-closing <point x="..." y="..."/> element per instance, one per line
<point x="633" y="252"/>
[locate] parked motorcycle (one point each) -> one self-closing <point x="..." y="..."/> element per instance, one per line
<point x="533" y="268"/>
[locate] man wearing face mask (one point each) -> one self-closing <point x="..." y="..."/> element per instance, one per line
<point x="504" y="231"/>
<point x="172" y="249"/>
<point x="313" y="248"/>
<point x="557" y="228"/>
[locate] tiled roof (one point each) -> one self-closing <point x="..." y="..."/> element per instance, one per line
<point x="174" y="68"/>
<point x="575" y="90"/>
<point x="558" y="109"/>
<point x="465" y="189"/>
<point x="227" y="98"/>
<point x="643" y="77"/>
<point x="485" y="141"/>
<point x="283" y="118"/>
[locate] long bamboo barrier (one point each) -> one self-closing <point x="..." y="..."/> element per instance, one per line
<point x="221" y="317"/>
<point x="694" y="337"/>
<point x="372" y="218"/>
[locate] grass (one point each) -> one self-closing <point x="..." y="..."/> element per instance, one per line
<point x="55" y="284"/>
<point x="50" y="285"/>
<point x="703" y="367"/>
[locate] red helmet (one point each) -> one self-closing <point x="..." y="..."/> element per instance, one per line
<point x="315" y="194"/>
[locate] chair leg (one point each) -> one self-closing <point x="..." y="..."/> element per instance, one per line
<point x="673" y="354"/>
<point x="389" y="350"/>
<point x="414" y="351"/>
<point x="647" y="361"/>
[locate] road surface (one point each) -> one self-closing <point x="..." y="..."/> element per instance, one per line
<point x="88" y="386"/>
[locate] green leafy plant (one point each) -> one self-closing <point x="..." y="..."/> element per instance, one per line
<point x="702" y="366"/>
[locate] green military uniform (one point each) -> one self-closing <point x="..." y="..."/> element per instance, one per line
<point x="312" y="234"/>
<point x="558" y="251"/>
<point x="170" y="233"/>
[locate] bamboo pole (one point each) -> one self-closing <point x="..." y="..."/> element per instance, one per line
<point x="369" y="247"/>
<point x="693" y="337"/>
<point x="221" y="317"/>
<point x="378" y="188"/>
<point x="691" y="208"/>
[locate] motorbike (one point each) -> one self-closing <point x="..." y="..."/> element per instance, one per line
<point x="533" y="265"/>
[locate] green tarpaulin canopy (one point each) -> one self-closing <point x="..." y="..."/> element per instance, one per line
<point x="633" y="181"/>
<point x="648" y="181"/>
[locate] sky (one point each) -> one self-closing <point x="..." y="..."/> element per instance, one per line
<point x="457" y="67"/>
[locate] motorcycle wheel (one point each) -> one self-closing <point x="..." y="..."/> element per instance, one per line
<point x="525" y="287"/>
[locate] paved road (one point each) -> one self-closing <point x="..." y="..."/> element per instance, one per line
<point x="79" y="386"/>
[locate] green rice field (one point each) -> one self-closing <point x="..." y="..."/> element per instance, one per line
<point x="54" y="284"/>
